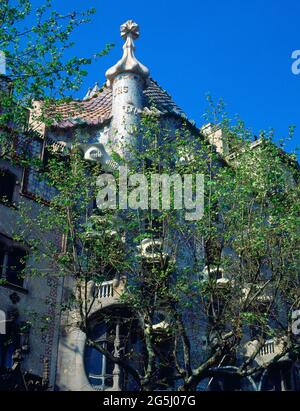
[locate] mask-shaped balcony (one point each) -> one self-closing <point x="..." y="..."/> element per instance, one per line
<point x="151" y="250"/>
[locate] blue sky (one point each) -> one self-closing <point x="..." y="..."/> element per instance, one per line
<point x="237" y="50"/>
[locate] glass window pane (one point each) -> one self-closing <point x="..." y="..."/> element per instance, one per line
<point x="16" y="265"/>
<point x="99" y="331"/>
<point x="1" y="257"/>
<point x="94" y="366"/>
<point x="99" y="369"/>
<point x="9" y="353"/>
<point x="7" y="185"/>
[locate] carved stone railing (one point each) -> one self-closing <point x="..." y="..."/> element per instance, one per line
<point x="109" y="292"/>
<point x="269" y="348"/>
<point x="267" y="352"/>
<point x="106" y="290"/>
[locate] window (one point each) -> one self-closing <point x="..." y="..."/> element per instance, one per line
<point x="33" y="183"/>
<point x="12" y="262"/>
<point x="7" y="349"/>
<point x="230" y="382"/>
<point x="99" y="368"/>
<point x="7" y="185"/>
<point x="15" y="266"/>
<point x="10" y="341"/>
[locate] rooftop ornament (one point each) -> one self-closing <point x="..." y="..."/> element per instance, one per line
<point x="128" y="63"/>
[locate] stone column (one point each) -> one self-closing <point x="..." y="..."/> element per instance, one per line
<point x="117" y="371"/>
<point x="71" y="375"/>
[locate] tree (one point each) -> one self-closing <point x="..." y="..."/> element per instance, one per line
<point x="228" y="279"/>
<point x="35" y="45"/>
<point x="35" y="73"/>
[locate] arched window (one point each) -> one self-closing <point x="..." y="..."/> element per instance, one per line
<point x="7" y="186"/>
<point x="99" y="368"/>
<point x="110" y="332"/>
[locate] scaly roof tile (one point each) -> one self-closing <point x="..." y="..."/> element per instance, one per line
<point x="97" y="109"/>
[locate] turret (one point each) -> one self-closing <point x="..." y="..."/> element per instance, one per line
<point x="127" y="79"/>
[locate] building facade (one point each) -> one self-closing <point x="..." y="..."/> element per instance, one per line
<point x="25" y="302"/>
<point x="104" y="120"/>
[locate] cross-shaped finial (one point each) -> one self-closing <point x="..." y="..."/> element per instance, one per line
<point x="128" y="63"/>
<point x="130" y="28"/>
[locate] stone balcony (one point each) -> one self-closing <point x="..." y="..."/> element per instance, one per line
<point x="109" y="292"/>
<point x="270" y="349"/>
<point x="262" y="293"/>
<point x="105" y="294"/>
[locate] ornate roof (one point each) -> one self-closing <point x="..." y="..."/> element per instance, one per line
<point x="96" y="110"/>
